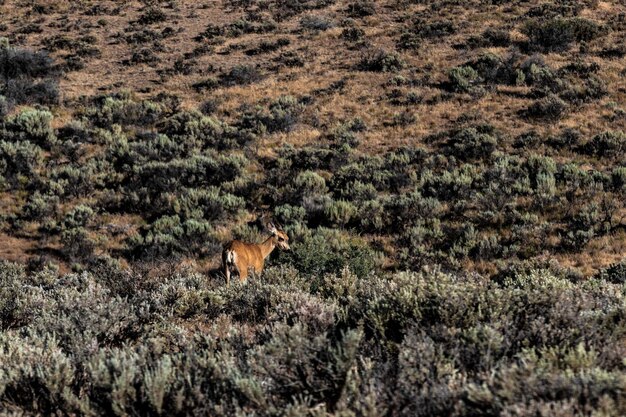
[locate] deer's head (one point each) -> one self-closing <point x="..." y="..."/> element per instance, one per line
<point x="280" y="238"/>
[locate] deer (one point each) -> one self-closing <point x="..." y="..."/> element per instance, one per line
<point x="241" y="258"/>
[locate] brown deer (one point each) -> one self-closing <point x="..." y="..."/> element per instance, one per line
<point x="239" y="257"/>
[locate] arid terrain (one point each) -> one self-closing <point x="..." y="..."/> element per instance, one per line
<point x="392" y="66"/>
<point x="451" y="175"/>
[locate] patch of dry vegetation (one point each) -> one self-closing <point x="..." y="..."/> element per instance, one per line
<point x="451" y="176"/>
<point x="475" y="84"/>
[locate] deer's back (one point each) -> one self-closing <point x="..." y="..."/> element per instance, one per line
<point x="246" y="252"/>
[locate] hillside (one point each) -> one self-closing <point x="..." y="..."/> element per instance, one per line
<point x="504" y="118"/>
<point x="451" y="175"/>
<point x="321" y="49"/>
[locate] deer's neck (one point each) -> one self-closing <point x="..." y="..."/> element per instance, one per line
<point x="267" y="247"/>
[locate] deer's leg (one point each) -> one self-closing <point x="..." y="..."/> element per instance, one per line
<point x="243" y="273"/>
<point x="229" y="260"/>
<point x="227" y="273"/>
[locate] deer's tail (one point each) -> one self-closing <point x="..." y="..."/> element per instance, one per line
<point x="229" y="258"/>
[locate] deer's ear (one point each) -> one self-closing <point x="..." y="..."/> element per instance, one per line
<point x="272" y="228"/>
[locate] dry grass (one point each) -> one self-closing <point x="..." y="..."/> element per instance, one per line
<point x="328" y="59"/>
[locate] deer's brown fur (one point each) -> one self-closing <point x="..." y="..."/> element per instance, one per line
<point x="241" y="258"/>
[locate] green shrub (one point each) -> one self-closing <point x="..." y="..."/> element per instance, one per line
<point x="238" y="28"/>
<point x="538" y="166"/>
<point x="291" y="366"/>
<point x="171" y="236"/>
<point x="618" y="178"/>
<point x="409" y="40"/>
<point x="209" y="204"/>
<point x="316" y="23"/>
<point x="18" y="62"/>
<point x="427" y="28"/>
<point x="122" y="110"/>
<point x="583" y="226"/>
<point x="68" y="180"/>
<point x="329" y="251"/>
<point x="310" y="183"/>
<point x="361" y="8"/>
<point x="606" y="144"/>
<point x="559" y="33"/>
<point x="42" y="367"/>
<point x="615" y="273"/>
<point x="143" y="56"/>
<point x="574" y="83"/>
<point x="403" y="119"/>
<point x="20" y="163"/>
<point x="568" y="139"/>
<point x="449" y="184"/>
<point x="288" y="214"/>
<point x="82" y="46"/>
<point x="366" y="169"/>
<point x="352" y="34"/>
<point x="550" y="107"/>
<point x="267" y="47"/>
<point x="594" y="88"/>
<point x="492" y="68"/>
<point x="283" y="115"/>
<point x="28" y="77"/>
<point x="33" y="126"/>
<point x="77" y="244"/>
<point x="192" y="130"/>
<point x="358" y="191"/>
<point x="381" y="61"/>
<point x="471" y="144"/>
<point x="5" y="107"/>
<point x="340" y="212"/>
<point x="79" y="216"/>
<point x="464" y="79"/>
<point x="159" y="177"/>
<point x="241" y="75"/>
<point x="40" y="206"/>
<point x="492" y="37"/>
<point x="152" y="15"/>
<point x="13" y="308"/>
